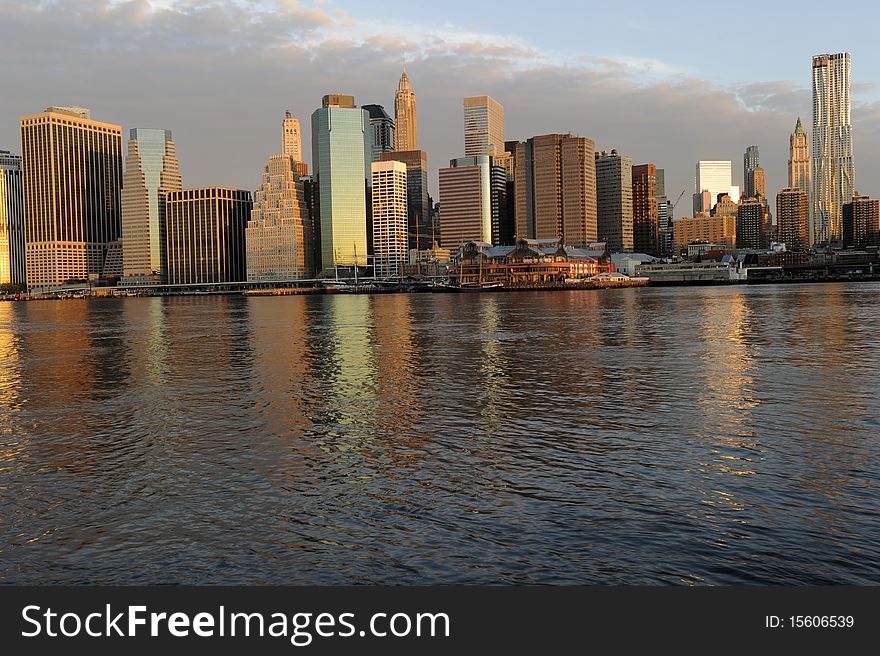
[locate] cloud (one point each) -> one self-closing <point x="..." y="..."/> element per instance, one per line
<point x="220" y="73"/>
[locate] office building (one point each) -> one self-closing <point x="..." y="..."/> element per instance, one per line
<point x="291" y="143"/>
<point x="703" y="228"/>
<point x="861" y="222"/>
<point x="406" y="135"/>
<point x="614" y="201"/>
<point x="390" y="239"/>
<point x="420" y="227"/>
<point x="751" y="161"/>
<point x="151" y="171"/>
<point x="792" y="218"/>
<point x="71" y="178"/>
<point x="278" y="237"/>
<point x="381" y="131"/>
<point x="341" y="154"/>
<point x="646" y="210"/>
<point x="483" y="126"/>
<point x="714" y="176"/>
<point x="750" y="224"/>
<point x="833" y="170"/>
<point x="555" y="189"/>
<point x="205" y="240"/>
<point x="466" y="201"/>
<point x="12" y="258"/>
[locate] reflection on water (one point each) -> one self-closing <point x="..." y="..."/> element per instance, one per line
<point x="707" y="435"/>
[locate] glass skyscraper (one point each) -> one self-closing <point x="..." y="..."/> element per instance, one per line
<point x="12" y="269"/>
<point x="341" y="153"/>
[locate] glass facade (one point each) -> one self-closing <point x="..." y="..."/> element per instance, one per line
<point x="12" y="270"/>
<point x="341" y="153"/>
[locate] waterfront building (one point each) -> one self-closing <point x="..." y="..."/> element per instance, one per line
<point x="646" y="210"/>
<point x="341" y="153"/>
<point x="792" y="218"/>
<point x="614" y="200"/>
<point x="151" y="171"/>
<point x="205" y="235"/>
<point x="406" y="135"/>
<point x="483" y="126"/>
<point x="71" y="179"/>
<point x="751" y="161"/>
<point x="420" y="227"/>
<point x="381" y="131"/>
<point x="704" y="227"/>
<point x="466" y="201"/>
<point x="12" y="258"/>
<point x="278" y="237"/>
<point x="861" y="222"/>
<point x="750" y="224"/>
<point x="555" y="188"/>
<point x="390" y="240"/>
<point x="833" y="170"/>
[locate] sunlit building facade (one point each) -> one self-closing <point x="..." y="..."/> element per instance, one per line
<point x="483" y="126"/>
<point x="646" y="210"/>
<point x="861" y="224"/>
<point x="406" y="134"/>
<point x="390" y="241"/>
<point x="12" y="260"/>
<point x="420" y="224"/>
<point x="792" y="218"/>
<point x="614" y="200"/>
<point x="466" y="201"/>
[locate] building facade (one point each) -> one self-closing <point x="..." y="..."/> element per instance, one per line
<point x="389" y="197"/>
<point x="151" y="171"/>
<point x="614" y="201"/>
<point x="278" y="238"/>
<point x="466" y="201"/>
<point x="483" y="126"/>
<point x="793" y="218"/>
<point x="750" y="224"/>
<point x="205" y="240"/>
<point x="71" y="178"/>
<point x="861" y="222"/>
<point x="291" y="137"/>
<point x="646" y="210"/>
<point x="713" y="176"/>
<point x="12" y="258"/>
<point x="420" y="225"/>
<point x="703" y="228"/>
<point x="406" y="134"/>
<point x="381" y="131"/>
<point x="834" y="172"/>
<point x="751" y="161"/>
<point x="341" y="154"/>
<point x="799" y="165"/>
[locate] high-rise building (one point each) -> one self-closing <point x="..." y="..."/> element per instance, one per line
<point x="12" y="260"/>
<point x="278" y="237"/>
<point x="466" y="201"/>
<point x="205" y="235"/>
<point x="555" y="189"/>
<point x="714" y="176"/>
<point x="420" y="228"/>
<point x="71" y="177"/>
<point x="757" y="183"/>
<point x="646" y="209"/>
<point x="705" y="228"/>
<point x="341" y="154"/>
<point x="834" y="172"/>
<point x="799" y="166"/>
<point x="483" y="126"/>
<point x="151" y="170"/>
<point x="792" y="218"/>
<point x="381" y="131"/>
<point x="291" y="137"/>
<point x="750" y="223"/>
<point x="406" y="135"/>
<point x="390" y="240"/>
<point x="751" y="161"/>
<point x="503" y="220"/>
<point x="861" y="221"/>
<point x="614" y="201"/>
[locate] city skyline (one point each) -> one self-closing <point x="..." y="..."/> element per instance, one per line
<point x="691" y="117"/>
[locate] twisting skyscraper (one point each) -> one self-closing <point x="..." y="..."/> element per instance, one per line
<point x="406" y="136"/>
<point x="833" y="165"/>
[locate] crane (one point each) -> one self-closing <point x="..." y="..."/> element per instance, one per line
<point x="677" y="200"/>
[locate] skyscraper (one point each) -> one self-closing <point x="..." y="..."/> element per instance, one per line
<point x="291" y="138"/>
<point x="12" y="260"/>
<point x="466" y="201"/>
<point x="861" y="221"/>
<point x="792" y="218"/>
<point x="799" y="160"/>
<point x="646" y="210"/>
<point x="205" y="235"/>
<point x="278" y="237"/>
<point x="751" y="161"/>
<point x="714" y="176"/>
<point x="834" y="172"/>
<point x="750" y="224"/>
<point x="614" y="200"/>
<point x="151" y="170"/>
<point x="419" y="222"/>
<point x="483" y="126"/>
<point x="381" y="131"/>
<point x="406" y="135"/>
<point x="555" y="189"/>
<point x="71" y="177"/>
<point x="390" y="241"/>
<point x="341" y="154"/>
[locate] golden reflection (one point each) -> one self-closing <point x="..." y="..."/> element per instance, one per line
<point x="494" y="364"/>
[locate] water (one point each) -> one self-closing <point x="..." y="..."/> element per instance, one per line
<point x="674" y="436"/>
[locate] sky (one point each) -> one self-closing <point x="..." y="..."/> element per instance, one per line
<point x="668" y="83"/>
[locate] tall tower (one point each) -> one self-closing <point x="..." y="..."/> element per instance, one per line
<point x="646" y="210"/>
<point x="151" y="170"/>
<point x="381" y="131"/>
<point x="71" y="177"/>
<point x="11" y="223"/>
<point x="390" y="240"/>
<point x="834" y="170"/>
<point x="799" y="165"/>
<point x="406" y="135"/>
<point x="483" y="126"/>
<point x="614" y="200"/>
<point x="751" y="161"/>
<point x="291" y="137"/>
